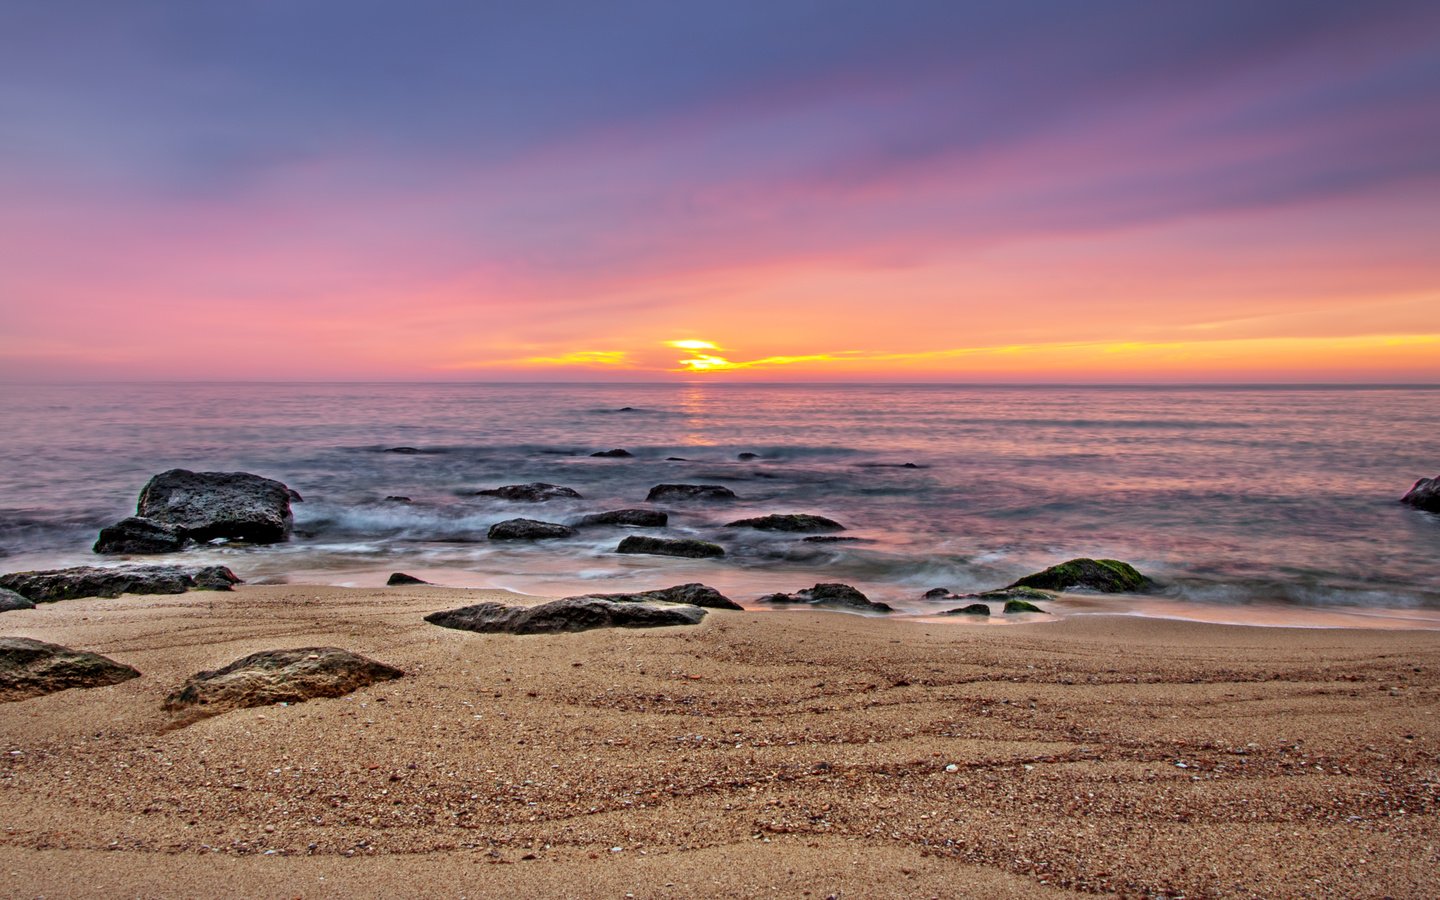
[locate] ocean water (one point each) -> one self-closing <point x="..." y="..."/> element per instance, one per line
<point x="1232" y="498"/>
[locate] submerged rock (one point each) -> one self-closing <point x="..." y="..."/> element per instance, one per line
<point x="747" y="456"/>
<point x="689" y="492"/>
<point x="401" y="578"/>
<point x="617" y="453"/>
<point x="96" y="581"/>
<point x="831" y="595"/>
<point x="788" y="522"/>
<point x="139" y="535"/>
<point x="534" y="492"/>
<point x="643" y="518"/>
<point x="1108" y="576"/>
<point x="830" y="539"/>
<point x="403" y="451"/>
<point x="1424" y="494"/>
<point x="570" y="614"/>
<point x="974" y="609"/>
<point x="694" y="594"/>
<point x="527" y="530"/>
<point x="396" y="498"/>
<point x="11" y="601"/>
<point x="208" y="505"/>
<point x="277" y="676"/>
<point x="685" y="547"/>
<point x="30" y="668"/>
<point x="1021" y="606"/>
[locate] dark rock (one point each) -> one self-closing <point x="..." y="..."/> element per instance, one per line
<point x="837" y="596"/>
<point x="1424" y="494"/>
<point x="534" y="492"/>
<point x="95" y="581"/>
<point x="747" y="456"/>
<point x="789" y="522"/>
<point x="617" y="453"/>
<point x="627" y="409"/>
<point x="974" y="609"/>
<point x="31" y="668"/>
<point x="395" y="498"/>
<point x="570" y="614"/>
<point x="1108" y="576"/>
<point x="527" y="530"/>
<point x="938" y="594"/>
<point x="277" y="676"/>
<point x="137" y="535"/>
<point x="404" y="451"/>
<point x="401" y="578"/>
<point x="689" y="492"/>
<point x="10" y="601"/>
<point x="694" y="594"/>
<point x="829" y="539"/>
<point x="643" y="518"/>
<point x="676" y="459"/>
<point x="687" y="547"/>
<point x="208" y="505"/>
<point x="1021" y="606"/>
<point x="1014" y="593"/>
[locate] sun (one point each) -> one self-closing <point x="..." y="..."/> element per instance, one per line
<point x="692" y="345"/>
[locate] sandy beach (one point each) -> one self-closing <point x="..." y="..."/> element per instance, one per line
<point x="803" y="754"/>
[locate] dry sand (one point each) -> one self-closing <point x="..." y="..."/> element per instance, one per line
<point x="785" y="754"/>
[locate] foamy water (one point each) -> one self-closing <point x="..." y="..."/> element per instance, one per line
<point x="1252" y="500"/>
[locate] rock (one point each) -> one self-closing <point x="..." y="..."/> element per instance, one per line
<point x="789" y="522"/>
<point x="1108" y="576"/>
<point x="747" y="456"/>
<point x="570" y="614"/>
<point x="401" y="578"/>
<point x="689" y="492"/>
<point x="1021" y="606"/>
<point x="836" y="596"/>
<point x="974" y="609"/>
<point x="534" y="492"/>
<point x="11" y="601"/>
<point x="694" y="594"/>
<point x="138" y="535"/>
<point x="31" y="668"/>
<point x="938" y="594"/>
<point x="1424" y="494"/>
<point x="395" y="498"/>
<point x="208" y="505"/>
<point x="403" y="451"/>
<point x="527" y="530"/>
<point x="676" y="459"/>
<point x="686" y="547"/>
<point x="277" y="676"/>
<point x="95" y="581"/>
<point x="643" y="518"/>
<point x="1014" y="593"/>
<point x="617" y="453"/>
<point x="829" y="539"/>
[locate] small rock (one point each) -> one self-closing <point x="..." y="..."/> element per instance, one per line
<point x="747" y="456"/>
<point x="689" y="492"/>
<point x="973" y="609"/>
<point x="30" y="668"/>
<point x="1424" y="494"/>
<point x="676" y="459"/>
<point x="401" y="578"/>
<point x="938" y="594"/>
<point x="395" y="498"/>
<point x="534" y="492"/>
<point x="617" y="453"/>
<point x="403" y="451"/>
<point x="685" y="547"/>
<point x="832" y="595"/>
<point x="830" y="539"/>
<point x="10" y="601"/>
<point x="527" y="530"/>
<point x="570" y="614"/>
<point x="277" y="676"/>
<point x="1021" y="606"/>
<point x="139" y="535"/>
<point x="643" y="518"/>
<point x="96" y="581"/>
<point x="788" y="522"/>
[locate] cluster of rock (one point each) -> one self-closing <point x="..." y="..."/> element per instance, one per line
<point x="1107" y="576"/>
<point x="180" y="507"/>
<point x="830" y="595"/>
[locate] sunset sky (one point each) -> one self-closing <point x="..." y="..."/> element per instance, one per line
<point x="1235" y="190"/>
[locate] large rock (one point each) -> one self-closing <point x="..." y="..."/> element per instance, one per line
<point x="689" y="492"/>
<point x="11" y="601"/>
<point x="534" y="492"/>
<point x="527" y="530"/>
<point x="1108" y="576"/>
<point x="832" y="596"/>
<point x="789" y="522"/>
<point x="137" y="535"/>
<point x="30" y="668"/>
<point x="642" y="518"/>
<point x="208" y="505"/>
<point x="570" y="614"/>
<point x="686" y="547"/>
<point x="96" y="581"/>
<point x="277" y="676"/>
<point x="693" y="594"/>
<point x="1424" y="494"/>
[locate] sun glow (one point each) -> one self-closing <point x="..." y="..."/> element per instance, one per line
<point x="692" y="345"/>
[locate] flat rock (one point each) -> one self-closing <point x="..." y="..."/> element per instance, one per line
<point x="527" y="530"/>
<point x="570" y="614"/>
<point x="832" y="596"/>
<point x="788" y="522"/>
<point x="10" y="601"/>
<point x="208" y="505"/>
<point x="747" y="456"/>
<point x="401" y="578"/>
<point x="277" y="676"/>
<point x="1424" y="494"/>
<point x="689" y="492"/>
<point x="617" y="453"/>
<point x="30" y="668"/>
<point x="686" y="547"/>
<point x="973" y="609"/>
<point x="534" y="492"/>
<point x="1108" y="576"/>
<point x="140" y="535"/>
<point x="396" y="498"/>
<point x="1001" y="595"/>
<point x="642" y="518"/>
<point x="831" y="539"/>
<point x="694" y="594"/>
<point x="99" y="581"/>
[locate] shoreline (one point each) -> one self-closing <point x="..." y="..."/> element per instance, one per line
<point x="801" y="752"/>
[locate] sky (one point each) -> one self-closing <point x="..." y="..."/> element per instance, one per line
<point x="788" y="190"/>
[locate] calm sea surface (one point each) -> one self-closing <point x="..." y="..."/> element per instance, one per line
<point x="1238" y="497"/>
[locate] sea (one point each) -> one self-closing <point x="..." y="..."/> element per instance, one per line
<point x="1251" y="505"/>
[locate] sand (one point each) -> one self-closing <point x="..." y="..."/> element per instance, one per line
<point x="794" y="754"/>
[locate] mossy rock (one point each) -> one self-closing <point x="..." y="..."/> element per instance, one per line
<point x="974" y="609"/>
<point x="1108" y="576"/>
<point x="1021" y="606"/>
<point x="1015" y="593"/>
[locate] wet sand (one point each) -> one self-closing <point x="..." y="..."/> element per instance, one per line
<point x="776" y="754"/>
